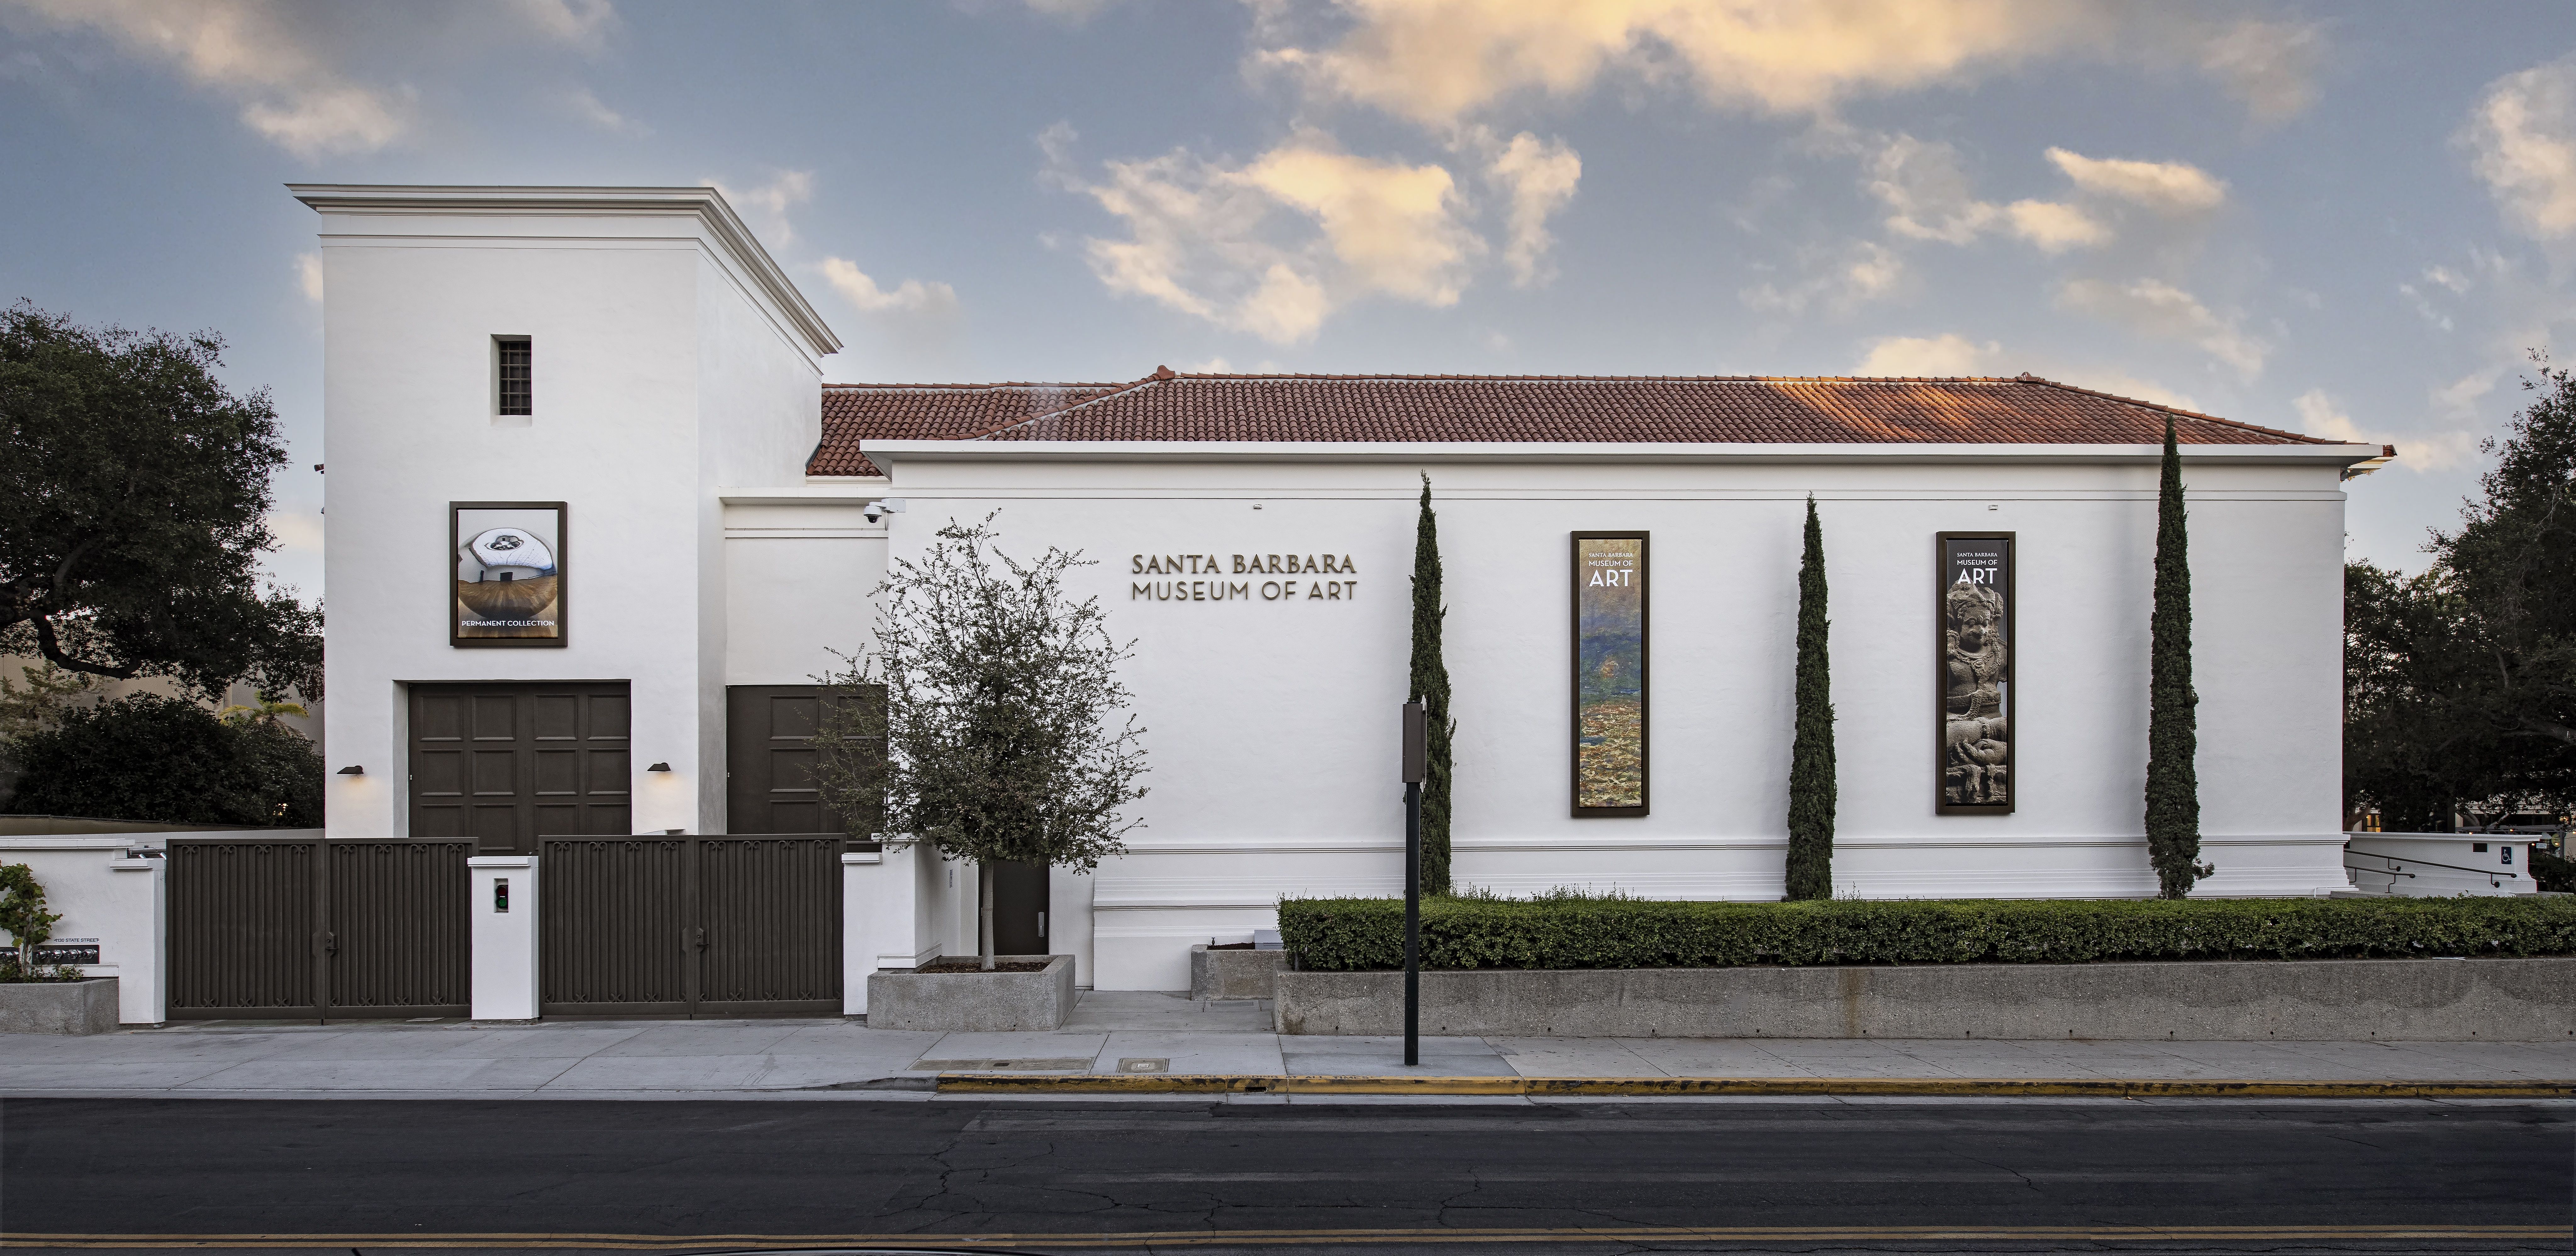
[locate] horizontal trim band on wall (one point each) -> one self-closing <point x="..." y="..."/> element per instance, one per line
<point x="1750" y="841"/>
<point x="1514" y="496"/>
<point x="804" y="534"/>
<point x="896" y="451"/>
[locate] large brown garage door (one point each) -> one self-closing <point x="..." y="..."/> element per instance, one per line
<point x="506" y="764"/>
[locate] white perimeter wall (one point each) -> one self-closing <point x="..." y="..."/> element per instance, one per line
<point x="659" y="374"/>
<point x="1274" y="723"/>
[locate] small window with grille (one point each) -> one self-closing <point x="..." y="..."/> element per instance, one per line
<point x="516" y="394"/>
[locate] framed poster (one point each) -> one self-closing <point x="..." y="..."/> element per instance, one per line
<point x="1976" y="660"/>
<point x="1609" y="674"/>
<point x="506" y="564"/>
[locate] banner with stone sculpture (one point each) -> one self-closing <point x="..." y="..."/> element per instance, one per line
<point x="1977" y="647"/>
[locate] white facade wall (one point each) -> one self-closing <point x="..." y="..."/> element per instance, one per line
<point x="1273" y="723"/>
<point x="677" y="398"/>
<point x="669" y="358"/>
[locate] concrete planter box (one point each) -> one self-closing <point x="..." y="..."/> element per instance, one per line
<point x="1232" y="974"/>
<point x="2404" y="1000"/>
<point x="908" y="999"/>
<point x="58" y="1007"/>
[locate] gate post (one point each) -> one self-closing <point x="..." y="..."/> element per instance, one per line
<point x="504" y="910"/>
<point x="859" y="909"/>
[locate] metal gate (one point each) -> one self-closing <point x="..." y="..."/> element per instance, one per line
<point x="309" y="929"/>
<point x="690" y="926"/>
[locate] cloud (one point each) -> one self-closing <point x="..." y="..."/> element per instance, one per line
<point x="910" y="296"/>
<point x="283" y="64"/>
<point x="2167" y="187"/>
<point x="2271" y="66"/>
<point x="1932" y="198"/>
<point x="2319" y="416"/>
<point x="2523" y="136"/>
<point x="1073" y="11"/>
<point x="2055" y="227"/>
<point x="2156" y="308"/>
<point x="308" y="276"/>
<point x="1929" y="195"/>
<point x="256" y="52"/>
<point x="771" y="200"/>
<point x="1275" y="245"/>
<point x="296" y="531"/>
<point x="1537" y="178"/>
<point x="590" y="109"/>
<point x="581" y="23"/>
<point x="1838" y="280"/>
<point x="1946" y="355"/>
<point x="1394" y="227"/>
<point x="1437" y="61"/>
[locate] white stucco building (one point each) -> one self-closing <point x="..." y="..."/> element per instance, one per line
<point x="716" y="545"/>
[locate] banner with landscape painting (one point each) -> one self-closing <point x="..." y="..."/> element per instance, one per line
<point x="1609" y="673"/>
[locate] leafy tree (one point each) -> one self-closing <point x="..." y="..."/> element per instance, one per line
<point x="1811" y="752"/>
<point x="999" y="696"/>
<point x="150" y="757"/>
<point x="2173" y="736"/>
<point x="23" y="914"/>
<point x="2460" y="683"/>
<point x="134" y="489"/>
<point x="1429" y="681"/>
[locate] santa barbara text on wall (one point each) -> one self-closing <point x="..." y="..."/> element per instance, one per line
<point x="1222" y="590"/>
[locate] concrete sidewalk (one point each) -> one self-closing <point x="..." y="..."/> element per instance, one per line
<point x="1124" y="1033"/>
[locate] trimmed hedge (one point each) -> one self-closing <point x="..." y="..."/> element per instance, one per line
<point x="1575" y="932"/>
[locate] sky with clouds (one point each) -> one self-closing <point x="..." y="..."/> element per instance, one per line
<point x="2346" y="219"/>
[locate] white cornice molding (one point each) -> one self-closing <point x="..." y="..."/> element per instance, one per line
<point x="740" y="248"/>
<point x="1603" y="452"/>
<point x="856" y="494"/>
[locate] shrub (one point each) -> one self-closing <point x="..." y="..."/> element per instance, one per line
<point x="2552" y="872"/>
<point x="1581" y="932"/>
<point x="148" y="757"/>
<point x="23" y="914"/>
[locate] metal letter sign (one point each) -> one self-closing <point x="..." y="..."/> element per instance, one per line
<point x="1977" y="646"/>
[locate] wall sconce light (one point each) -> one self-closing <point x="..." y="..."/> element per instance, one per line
<point x="353" y="769"/>
<point x="659" y="767"/>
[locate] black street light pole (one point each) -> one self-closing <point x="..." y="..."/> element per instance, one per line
<point x="1416" y="750"/>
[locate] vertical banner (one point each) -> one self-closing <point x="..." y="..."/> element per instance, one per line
<point x="505" y="562"/>
<point x="1609" y="674"/>
<point x="1977" y="647"/>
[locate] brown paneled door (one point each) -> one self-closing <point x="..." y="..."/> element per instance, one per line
<point x="770" y="760"/>
<point x="506" y="764"/>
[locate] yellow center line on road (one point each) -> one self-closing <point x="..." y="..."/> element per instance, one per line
<point x="1307" y="1237"/>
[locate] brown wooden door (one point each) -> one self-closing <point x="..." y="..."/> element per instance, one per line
<point x="1019" y="907"/>
<point x="770" y="785"/>
<point x="506" y="764"/>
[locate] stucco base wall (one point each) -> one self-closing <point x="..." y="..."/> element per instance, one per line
<point x="2427" y="1000"/>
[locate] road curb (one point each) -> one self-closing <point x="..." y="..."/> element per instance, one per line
<point x="1960" y="1087"/>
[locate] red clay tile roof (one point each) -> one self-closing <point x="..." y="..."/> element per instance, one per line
<point x="856" y="412"/>
<point x="1166" y="406"/>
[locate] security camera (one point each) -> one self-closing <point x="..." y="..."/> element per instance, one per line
<point x="877" y="510"/>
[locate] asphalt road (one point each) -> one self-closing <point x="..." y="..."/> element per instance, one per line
<point x="1047" y="1177"/>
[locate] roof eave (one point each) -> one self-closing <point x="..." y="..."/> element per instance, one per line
<point x="883" y="453"/>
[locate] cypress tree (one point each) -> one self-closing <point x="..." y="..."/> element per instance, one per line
<point x="1811" y="755"/>
<point x="2173" y="736"/>
<point x="1430" y="682"/>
